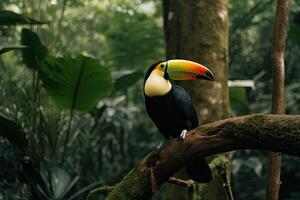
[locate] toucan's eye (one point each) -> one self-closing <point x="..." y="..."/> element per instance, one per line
<point x="162" y="65"/>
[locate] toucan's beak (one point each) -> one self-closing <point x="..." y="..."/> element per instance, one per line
<point x="187" y="70"/>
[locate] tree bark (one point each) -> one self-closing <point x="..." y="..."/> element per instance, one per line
<point x="198" y="31"/>
<point x="278" y="133"/>
<point x="278" y="47"/>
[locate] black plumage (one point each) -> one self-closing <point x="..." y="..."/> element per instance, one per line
<point x="172" y="113"/>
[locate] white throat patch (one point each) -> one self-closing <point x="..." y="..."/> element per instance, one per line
<point x="156" y="84"/>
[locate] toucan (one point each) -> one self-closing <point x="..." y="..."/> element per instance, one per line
<point x="170" y="107"/>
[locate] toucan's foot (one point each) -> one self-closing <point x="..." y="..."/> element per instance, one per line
<point x="183" y="134"/>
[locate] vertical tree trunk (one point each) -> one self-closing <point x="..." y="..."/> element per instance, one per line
<point x="197" y="30"/>
<point x="278" y="47"/>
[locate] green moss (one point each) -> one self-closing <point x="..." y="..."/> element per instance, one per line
<point x="132" y="187"/>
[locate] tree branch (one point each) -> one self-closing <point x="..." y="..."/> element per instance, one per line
<point x="93" y="195"/>
<point x="280" y="28"/>
<point x="258" y="131"/>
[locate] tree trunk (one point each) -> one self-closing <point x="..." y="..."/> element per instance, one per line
<point x="278" y="47"/>
<point x="279" y="133"/>
<point x="198" y="31"/>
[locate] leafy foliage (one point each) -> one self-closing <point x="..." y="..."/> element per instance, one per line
<point x="127" y="79"/>
<point x="56" y="184"/>
<point x="126" y="36"/>
<point x="9" y="48"/>
<point x="35" y="52"/>
<point x="13" y="133"/>
<point x="75" y="83"/>
<point x="10" y="168"/>
<point x="11" y="18"/>
<point x="250" y="58"/>
<point x="294" y="33"/>
<point x="237" y="97"/>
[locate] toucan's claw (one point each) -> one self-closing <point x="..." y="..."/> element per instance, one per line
<point x="183" y="134"/>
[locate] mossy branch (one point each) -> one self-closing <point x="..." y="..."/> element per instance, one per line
<point x="95" y="193"/>
<point x="278" y="133"/>
<point x="218" y="166"/>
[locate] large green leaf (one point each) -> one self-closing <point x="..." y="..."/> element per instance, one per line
<point x="4" y="49"/>
<point x="12" y="132"/>
<point x="76" y="83"/>
<point x="127" y="79"/>
<point x="35" y="52"/>
<point x="10" y="18"/>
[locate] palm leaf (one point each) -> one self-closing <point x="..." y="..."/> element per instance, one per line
<point x="75" y="83"/>
<point x="4" y="49"/>
<point x="10" y="18"/>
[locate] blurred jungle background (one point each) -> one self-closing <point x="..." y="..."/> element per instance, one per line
<point x="81" y="143"/>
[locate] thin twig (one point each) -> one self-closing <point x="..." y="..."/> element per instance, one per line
<point x="185" y="183"/>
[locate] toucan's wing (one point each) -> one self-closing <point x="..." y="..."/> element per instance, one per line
<point x="184" y="105"/>
<point x="197" y="168"/>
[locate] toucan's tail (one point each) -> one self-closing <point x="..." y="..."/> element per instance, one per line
<point x="198" y="170"/>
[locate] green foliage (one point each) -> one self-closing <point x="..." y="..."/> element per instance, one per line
<point x="127" y="79"/>
<point x="35" y="52"/>
<point x="249" y="174"/>
<point x="250" y="58"/>
<point x="294" y="33"/>
<point x="12" y="132"/>
<point x="4" y="49"/>
<point x="110" y="133"/>
<point x="237" y="97"/>
<point x="126" y="36"/>
<point x="75" y="83"/>
<point x="56" y="183"/>
<point x="11" y="18"/>
<point x="99" y="192"/>
<point x="10" y="168"/>
<point x="130" y="40"/>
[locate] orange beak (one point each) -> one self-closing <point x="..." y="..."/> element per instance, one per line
<point x="186" y="70"/>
